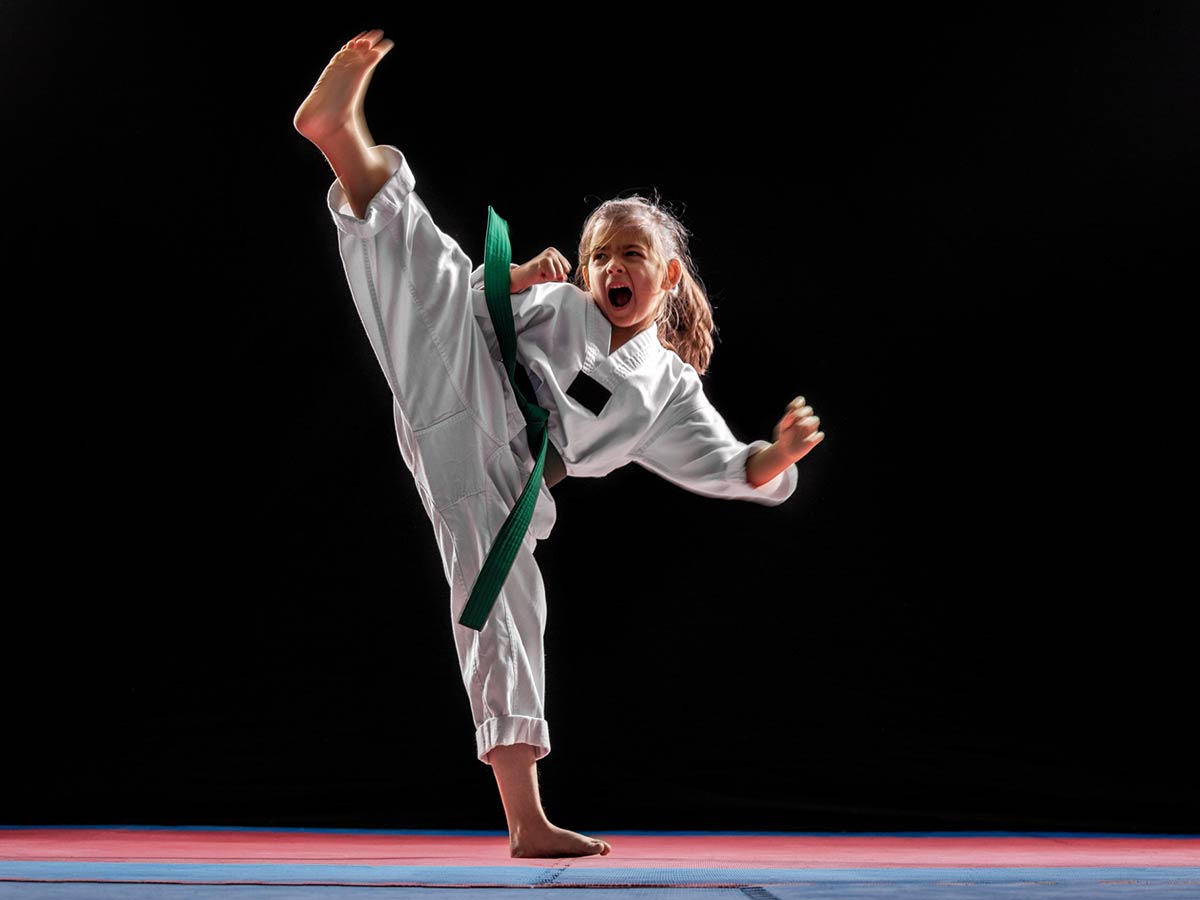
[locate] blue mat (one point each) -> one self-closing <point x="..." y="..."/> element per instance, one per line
<point x="269" y="879"/>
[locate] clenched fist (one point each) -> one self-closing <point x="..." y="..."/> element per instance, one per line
<point x="549" y="265"/>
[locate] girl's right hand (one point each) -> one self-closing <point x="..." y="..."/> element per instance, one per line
<point x="549" y="265"/>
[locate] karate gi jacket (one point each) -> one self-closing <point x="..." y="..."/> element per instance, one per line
<point x="656" y="413"/>
<point x="646" y="404"/>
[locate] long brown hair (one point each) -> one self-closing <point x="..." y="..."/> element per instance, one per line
<point x="685" y="322"/>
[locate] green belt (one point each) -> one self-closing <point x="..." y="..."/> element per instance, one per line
<point x="497" y="255"/>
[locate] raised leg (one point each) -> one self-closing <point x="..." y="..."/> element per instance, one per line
<point x="332" y="117"/>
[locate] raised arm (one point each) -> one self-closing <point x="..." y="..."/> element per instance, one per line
<point x="332" y="117"/>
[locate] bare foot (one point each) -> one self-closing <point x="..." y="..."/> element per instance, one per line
<point x="552" y="842"/>
<point x="336" y="101"/>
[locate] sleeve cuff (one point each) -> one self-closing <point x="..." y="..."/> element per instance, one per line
<point x="774" y="492"/>
<point x="384" y="206"/>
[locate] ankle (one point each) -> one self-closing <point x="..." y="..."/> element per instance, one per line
<point x="528" y="826"/>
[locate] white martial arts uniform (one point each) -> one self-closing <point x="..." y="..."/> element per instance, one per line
<point x="462" y="434"/>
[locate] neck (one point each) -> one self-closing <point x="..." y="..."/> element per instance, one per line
<point x="623" y="335"/>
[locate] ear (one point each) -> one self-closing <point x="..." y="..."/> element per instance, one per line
<point x="674" y="273"/>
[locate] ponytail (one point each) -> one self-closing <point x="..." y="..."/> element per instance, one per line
<point x="686" y="322"/>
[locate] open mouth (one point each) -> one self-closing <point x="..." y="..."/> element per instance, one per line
<point x="619" y="296"/>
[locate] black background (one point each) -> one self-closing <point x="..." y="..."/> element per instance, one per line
<point x="968" y="240"/>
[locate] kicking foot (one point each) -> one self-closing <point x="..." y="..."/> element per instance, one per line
<point x="336" y="100"/>
<point x="552" y="842"/>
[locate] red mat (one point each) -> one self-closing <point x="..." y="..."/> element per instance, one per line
<point x="180" y="845"/>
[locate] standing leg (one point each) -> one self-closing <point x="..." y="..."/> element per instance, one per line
<point x="504" y="671"/>
<point x="530" y="833"/>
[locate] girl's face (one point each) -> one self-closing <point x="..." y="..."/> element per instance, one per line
<point x="628" y="282"/>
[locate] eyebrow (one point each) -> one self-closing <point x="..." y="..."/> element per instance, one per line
<point x="605" y="247"/>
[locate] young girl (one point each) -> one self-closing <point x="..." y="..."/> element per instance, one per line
<point x="615" y="359"/>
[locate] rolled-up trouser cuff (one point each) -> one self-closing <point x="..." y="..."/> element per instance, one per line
<point x="513" y="730"/>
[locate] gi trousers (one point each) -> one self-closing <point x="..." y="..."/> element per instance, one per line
<point x="462" y="436"/>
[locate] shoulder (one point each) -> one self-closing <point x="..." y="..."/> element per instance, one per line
<point x="683" y="397"/>
<point x="549" y="294"/>
<point x="554" y="298"/>
<point x="552" y="308"/>
<point x="682" y="380"/>
<point x="560" y="293"/>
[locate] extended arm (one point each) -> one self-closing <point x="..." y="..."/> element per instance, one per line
<point x="697" y="451"/>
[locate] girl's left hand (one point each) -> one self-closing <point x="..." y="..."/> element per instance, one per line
<point x="799" y="430"/>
